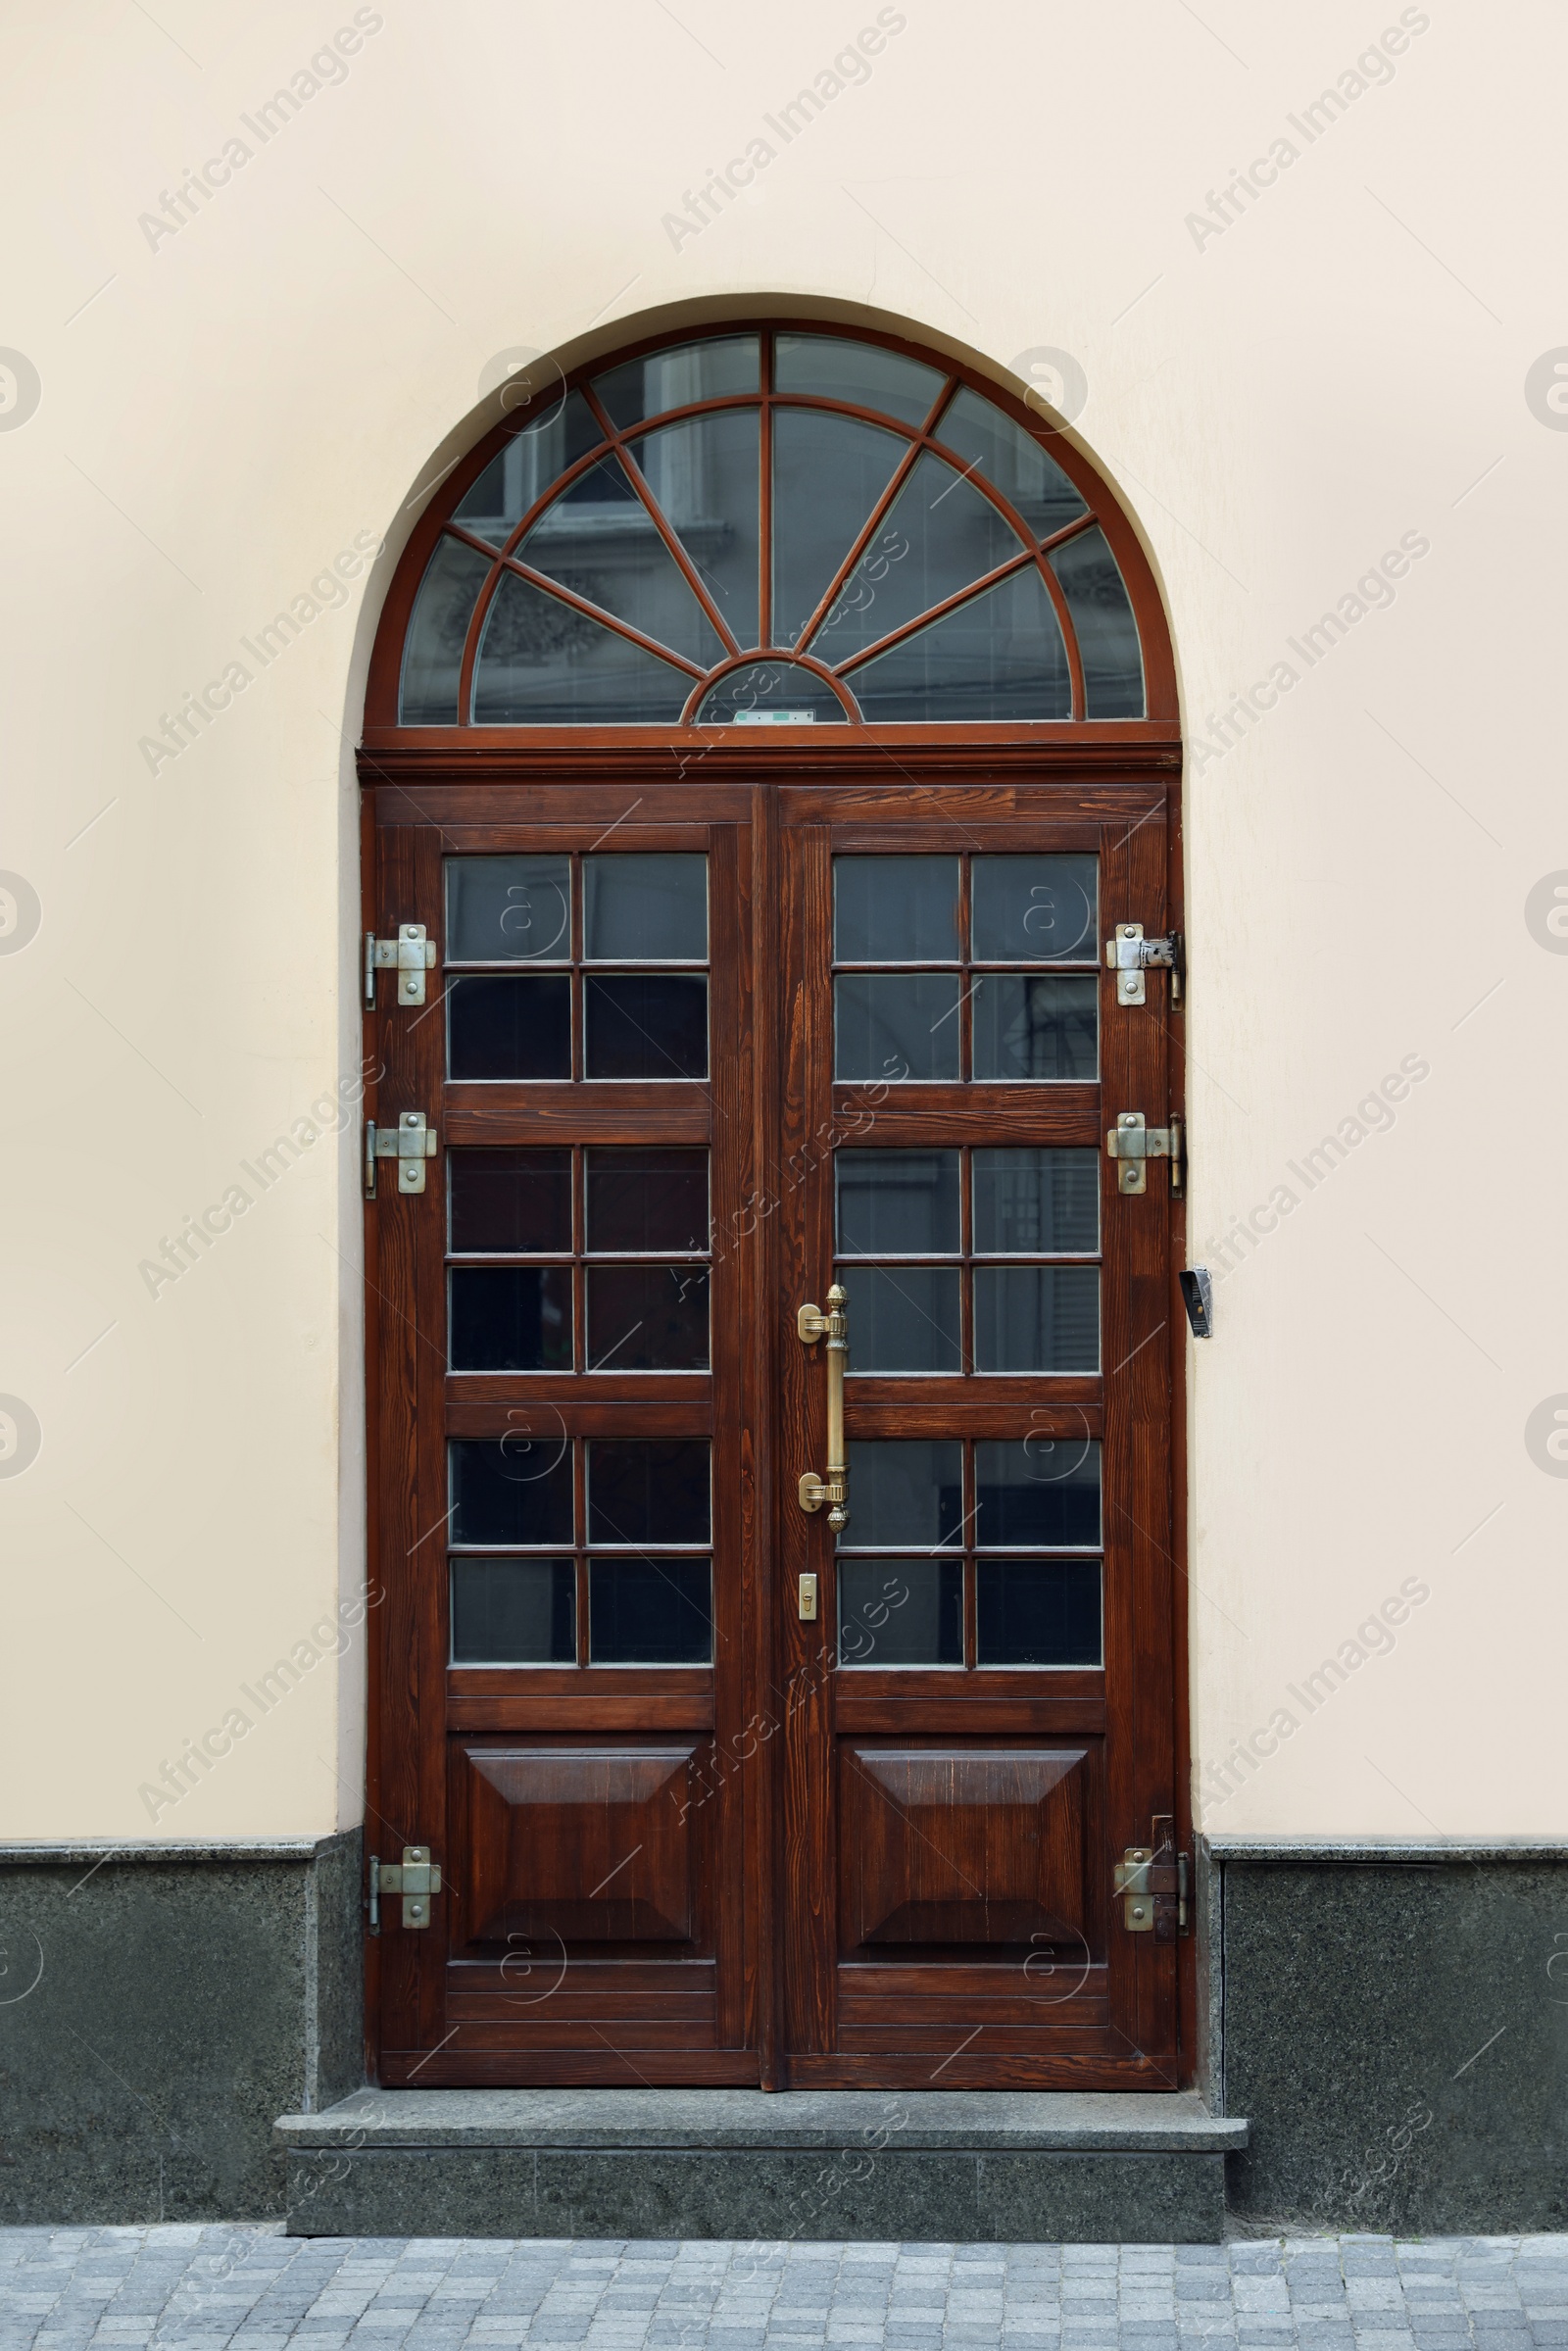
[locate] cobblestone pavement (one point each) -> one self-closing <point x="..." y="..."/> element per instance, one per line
<point x="203" y="2288"/>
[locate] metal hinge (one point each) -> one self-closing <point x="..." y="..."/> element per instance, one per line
<point x="415" y="1878"/>
<point x="1130" y="954"/>
<point x="410" y="1142"/>
<point x="1135" y="1142"/>
<point x="1151" y="1882"/>
<point x="411" y="954"/>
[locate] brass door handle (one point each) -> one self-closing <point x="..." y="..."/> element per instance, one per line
<point x="833" y="1326"/>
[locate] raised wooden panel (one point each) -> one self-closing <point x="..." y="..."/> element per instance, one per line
<point x="960" y="1845"/>
<point x="587" y="1843"/>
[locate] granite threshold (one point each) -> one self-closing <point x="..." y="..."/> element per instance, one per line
<point x="1082" y="2121"/>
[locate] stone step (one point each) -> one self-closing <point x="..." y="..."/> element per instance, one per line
<point x="934" y="2166"/>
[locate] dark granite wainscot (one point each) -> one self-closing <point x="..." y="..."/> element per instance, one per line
<point x="161" y="2006"/>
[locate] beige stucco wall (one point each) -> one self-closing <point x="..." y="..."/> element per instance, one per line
<point x="225" y="410"/>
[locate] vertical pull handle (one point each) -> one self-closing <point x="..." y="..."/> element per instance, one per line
<point x="833" y="1326"/>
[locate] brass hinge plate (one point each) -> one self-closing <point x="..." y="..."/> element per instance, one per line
<point x="1129" y="954"/>
<point x="1151" y="1885"/>
<point x="417" y="1878"/>
<point x="411" y="954"/>
<point x="410" y="1142"/>
<point x="1132" y="1142"/>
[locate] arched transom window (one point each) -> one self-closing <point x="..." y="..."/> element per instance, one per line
<point x="774" y="528"/>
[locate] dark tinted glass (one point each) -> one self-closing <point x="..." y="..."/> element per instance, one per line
<point x="600" y="541"/>
<point x="1038" y="1612"/>
<point x="1035" y="1028"/>
<point x="828" y="473"/>
<point x="511" y="1489"/>
<point x="510" y="1318"/>
<point x="771" y="694"/>
<point x="674" y="378"/>
<point x="903" y="1317"/>
<point x="432" y="653"/>
<point x="1003" y="454"/>
<point x="640" y="1201"/>
<point x="1037" y="1318"/>
<point x="905" y="1491"/>
<point x="645" y="909"/>
<point x="941" y="533"/>
<point x="1033" y="1204"/>
<point x="1040" y="1490"/>
<point x="508" y="910"/>
<point x="513" y="1613"/>
<point x="703" y="474"/>
<point x="1001" y="656"/>
<point x="554" y="434"/>
<point x="1035" y="910"/>
<point x="509" y="1028"/>
<point x="860" y="374"/>
<point x="896" y="1026"/>
<point x="543" y="663"/>
<point x="648" y="1493"/>
<point x="506" y="1201"/>
<point x="895" y="910"/>
<point x="1107" y="634"/>
<point x="897" y="1203"/>
<point x="650" y="1612"/>
<point x="646" y="1025"/>
<point x="647" y="1317"/>
<point x="901" y="1611"/>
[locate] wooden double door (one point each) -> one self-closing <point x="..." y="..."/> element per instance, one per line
<point x="720" y="1793"/>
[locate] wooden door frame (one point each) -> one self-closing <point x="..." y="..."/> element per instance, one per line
<point x="483" y="782"/>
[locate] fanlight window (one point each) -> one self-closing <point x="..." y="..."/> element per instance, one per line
<point x="789" y="530"/>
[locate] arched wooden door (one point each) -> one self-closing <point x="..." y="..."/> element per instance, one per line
<point x="763" y="744"/>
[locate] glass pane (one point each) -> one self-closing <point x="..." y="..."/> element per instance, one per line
<point x="644" y="1201"/>
<point x="1035" y="1028"/>
<point x="600" y="541"/>
<point x="646" y="1025"/>
<point x="646" y="1491"/>
<point x="1012" y="461"/>
<point x="898" y="1204"/>
<point x="645" y="909"/>
<point x="510" y="1318"/>
<point x="906" y="1491"/>
<point x="648" y="1318"/>
<point x="999" y="655"/>
<point x="771" y="694"/>
<point x="508" y="910"/>
<point x="1037" y="1318"/>
<point x="1107" y="634"/>
<point x="895" y="910"/>
<point x="1035" y="910"/>
<point x="667" y="379"/>
<point x="704" y="475"/>
<point x="544" y="663"/>
<point x="828" y="473"/>
<point x="650" y="1612"/>
<point x="515" y="1489"/>
<point x="901" y="1611"/>
<point x="941" y="533"/>
<point x="509" y="1201"/>
<point x="432" y="653"/>
<point x="1040" y="1490"/>
<point x="860" y="373"/>
<point x="513" y="1613"/>
<point x="531" y="459"/>
<point x="1035" y="1204"/>
<point x="903" y="1317"/>
<point x="1038" y="1612"/>
<point x="896" y="1026"/>
<point x="509" y="1028"/>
